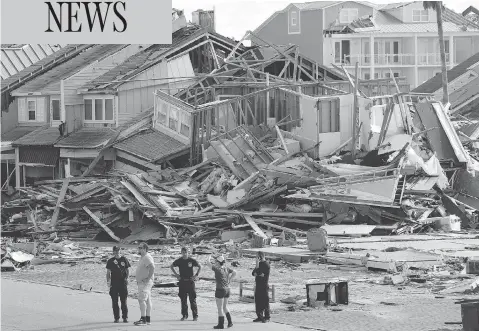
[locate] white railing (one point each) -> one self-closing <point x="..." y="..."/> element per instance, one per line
<point x="395" y="59"/>
<point x="431" y="59"/>
<point x="380" y="59"/>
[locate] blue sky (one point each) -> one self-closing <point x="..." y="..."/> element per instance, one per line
<point x="234" y="18"/>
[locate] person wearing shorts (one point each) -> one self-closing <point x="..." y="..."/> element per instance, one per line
<point x="223" y="277"/>
<point x="144" y="278"/>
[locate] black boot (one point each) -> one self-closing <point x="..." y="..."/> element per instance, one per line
<point x="221" y="323"/>
<point x="230" y="322"/>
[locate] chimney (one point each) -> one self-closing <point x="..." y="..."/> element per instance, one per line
<point x="204" y="18"/>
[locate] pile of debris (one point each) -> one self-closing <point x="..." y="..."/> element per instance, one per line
<point x="255" y="185"/>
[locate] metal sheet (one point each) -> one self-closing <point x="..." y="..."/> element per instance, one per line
<point x="348" y="230"/>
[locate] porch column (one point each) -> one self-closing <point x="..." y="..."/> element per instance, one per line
<point x="451" y="51"/>
<point x="67" y="169"/>
<point x="371" y="52"/>
<point x="17" y="168"/>
<point x="416" y="73"/>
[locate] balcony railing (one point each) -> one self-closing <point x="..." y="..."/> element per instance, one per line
<point x="394" y="59"/>
<point x="431" y="59"/>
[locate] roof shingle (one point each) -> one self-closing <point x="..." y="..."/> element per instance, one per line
<point x="86" y="138"/>
<point x="44" y="136"/>
<point x="151" y="145"/>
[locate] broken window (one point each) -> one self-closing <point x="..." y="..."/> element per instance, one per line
<point x="185" y="124"/>
<point x="173" y="120"/>
<point x="163" y="113"/>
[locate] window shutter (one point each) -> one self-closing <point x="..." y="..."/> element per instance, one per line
<point x="40" y="109"/>
<point x="22" y="112"/>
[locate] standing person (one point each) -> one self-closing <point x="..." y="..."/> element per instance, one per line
<point x="187" y="282"/>
<point x="117" y="279"/>
<point x="223" y="276"/>
<point x="261" y="294"/>
<point x="144" y="278"/>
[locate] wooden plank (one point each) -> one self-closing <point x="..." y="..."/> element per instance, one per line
<point x="255" y="226"/>
<point x="63" y="191"/>
<point x="107" y="229"/>
<point x="137" y="194"/>
<point x="271" y="214"/>
<point x="274" y="226"/>
<point x="87" y="194"/>
<point x="282" y="139"/>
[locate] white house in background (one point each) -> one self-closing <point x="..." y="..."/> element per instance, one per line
<point x="400" y="36"/>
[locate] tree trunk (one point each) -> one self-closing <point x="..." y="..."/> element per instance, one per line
<point x="445" y="94"/>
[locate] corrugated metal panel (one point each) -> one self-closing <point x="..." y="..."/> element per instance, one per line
<point x="38" y="155"/>
<point x="15" y="59"/>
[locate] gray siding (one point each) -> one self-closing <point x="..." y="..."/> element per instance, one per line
<point x="10" y="118"/>
<point x="309" y="40"/>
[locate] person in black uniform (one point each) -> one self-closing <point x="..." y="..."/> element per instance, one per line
<point x="186" y="284"/>
<point x="261" y="294"/>
<point x="117" y="280"/>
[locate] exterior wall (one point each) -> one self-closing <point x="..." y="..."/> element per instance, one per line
<point x="308" y="133"/>
<point x="309" y="40"/>
<point x="137" y="95"/>
<point x="331" y="14"/>
<point x="424" y="74"/>
<point x="465" y="47"/>
<point x="72" y="100"/>
<point x="397" y="12"/>
<point x="10" y="118"/>
<point x="42" y="110"/>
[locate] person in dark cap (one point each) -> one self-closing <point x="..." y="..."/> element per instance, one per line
<point x="186" y="284"/>
<point x="117" y="280"/>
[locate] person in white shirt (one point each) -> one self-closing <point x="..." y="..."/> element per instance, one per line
<point x="145" y="278"/>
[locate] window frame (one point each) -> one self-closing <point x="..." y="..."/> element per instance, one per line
<point x="294" y="20"/>
<point x="348" y="10"/>
<point x="93" y="112"/>
<point x="52" y="101"/>
<point x="28" y="100"/>
<point x="420" y="15"/>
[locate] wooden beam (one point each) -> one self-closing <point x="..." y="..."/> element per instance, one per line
<point x="255" y="226"/>
<point x="63" y="191"/>
<point x="97" y="220"/>
<point x="281" y="139"/>
<point x="355" y="113"/>
<point x="274" y="226"/>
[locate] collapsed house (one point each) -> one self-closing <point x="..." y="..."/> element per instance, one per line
<point x="255" y="141"/>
